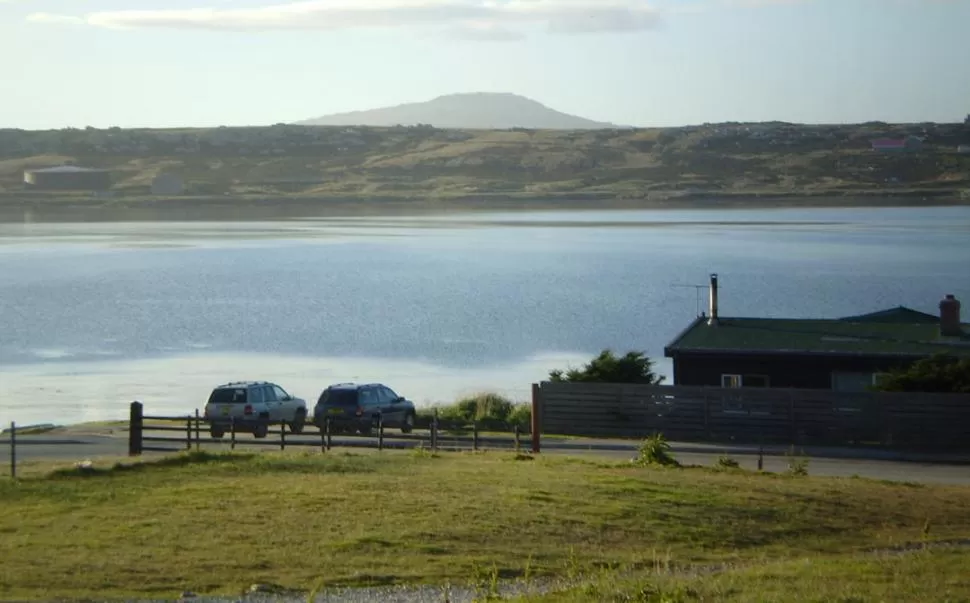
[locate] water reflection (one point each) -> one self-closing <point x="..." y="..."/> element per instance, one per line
<point x="65" y="393"/>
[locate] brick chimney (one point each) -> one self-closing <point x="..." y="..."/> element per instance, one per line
<point x="950" y="317"/>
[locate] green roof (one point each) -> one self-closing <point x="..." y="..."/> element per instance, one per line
<point x="862" y="335"/>
<point x="899" y="314"/>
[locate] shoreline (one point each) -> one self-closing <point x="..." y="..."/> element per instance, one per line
<point x="29" y="209"/>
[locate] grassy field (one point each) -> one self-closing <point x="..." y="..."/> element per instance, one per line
<point x="218" y="523"/>
<point x="729" y="164"/>
<point x="937" y="575"/>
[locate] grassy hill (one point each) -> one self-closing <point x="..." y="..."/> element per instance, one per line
<point x="718" y="161"/>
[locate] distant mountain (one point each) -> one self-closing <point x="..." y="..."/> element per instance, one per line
<point x="477" y="110"/>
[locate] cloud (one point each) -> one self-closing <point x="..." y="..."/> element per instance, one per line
<point x="486" y="18"/>
<point x="483" y="32"/>
<point x="54" y="19"/>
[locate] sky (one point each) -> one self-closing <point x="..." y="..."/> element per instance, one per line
<point x="168" y="63"/>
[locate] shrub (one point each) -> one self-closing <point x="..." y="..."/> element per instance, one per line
<point x="797" y="465"/>
<point x="655" y="450"/>
<point x="521" y="415"/>
<point x="938" y="374"/>
<point x="490" y="411"/>
<point x="633" y="367"/>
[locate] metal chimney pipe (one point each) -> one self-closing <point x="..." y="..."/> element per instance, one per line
<point x="712" y="318"/>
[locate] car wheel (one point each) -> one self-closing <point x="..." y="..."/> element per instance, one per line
<point x="216" y="434"/>
<point x="260" y="431"/>
<point x="408" y="425"/>
<point x="299" y="422"/>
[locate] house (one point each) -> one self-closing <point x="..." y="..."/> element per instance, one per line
<point x="845" y="354"/>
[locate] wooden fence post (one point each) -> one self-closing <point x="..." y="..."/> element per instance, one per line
<point x="329" y="433"/>
<point x="188" y="432"/>
<point x="136" y="425"/>
<point x="380" y="432"/>
<point x="232" y="433"/>
<point x="793" y="435"/>
<point x="198" y="435"/>
<point x="434" y="431"/>
<point x="707" y="416"/>
<point x="13" y="450"/>
<point x="536" y="413"/>
<point x="475" y="436"/>
<point x="282" y="435"/>
<point x="518" y="442"/>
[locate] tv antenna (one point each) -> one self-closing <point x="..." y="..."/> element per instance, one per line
<point x="697" y="292"/>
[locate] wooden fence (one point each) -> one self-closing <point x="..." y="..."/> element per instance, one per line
<point x="153" y="433"/>
<point x="750" y="415"/>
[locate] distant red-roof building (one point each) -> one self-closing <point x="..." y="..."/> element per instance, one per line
<point x="896" y="144"/>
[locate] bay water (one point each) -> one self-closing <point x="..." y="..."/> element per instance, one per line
<point x="95" y="315"/>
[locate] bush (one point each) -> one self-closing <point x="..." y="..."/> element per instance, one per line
<point x="939" y="374"/>
<point x="655" y="450"/>
<point x="633" y="367"/>
<point x="490" y="411"/>
<point x="797" y="465"/>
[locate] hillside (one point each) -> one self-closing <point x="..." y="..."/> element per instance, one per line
<point x="474" y="111"/>
<point x="716" y="161"/>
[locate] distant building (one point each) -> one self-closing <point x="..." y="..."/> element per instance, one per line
<point x="68" y="178"/>
<point x="909" y="143"/>
<point x="964" y="148"/>
<point x="168" y="184"/>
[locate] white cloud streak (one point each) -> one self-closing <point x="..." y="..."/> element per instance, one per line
<point x="54" y="19"/>
<point x="491" y="19"/>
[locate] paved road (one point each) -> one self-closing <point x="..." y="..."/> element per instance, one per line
<point x="822" y="461"/>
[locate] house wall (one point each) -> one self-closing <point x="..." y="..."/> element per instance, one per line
<point x="782" y="370"/>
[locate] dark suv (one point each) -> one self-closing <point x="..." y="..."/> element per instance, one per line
<point x="354" y="407"/>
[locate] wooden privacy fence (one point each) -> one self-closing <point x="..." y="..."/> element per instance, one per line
<point x="154" y="433"/>
<point x="754" y="415"/>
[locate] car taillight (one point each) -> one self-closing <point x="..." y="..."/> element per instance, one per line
<point x="248" y="410"/>
<point x="360" y="410"/>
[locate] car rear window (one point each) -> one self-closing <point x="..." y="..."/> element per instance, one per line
<point x="227" y="395"/>
<point x="339" y="397"/>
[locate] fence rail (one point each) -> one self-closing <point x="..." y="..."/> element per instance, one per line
<point x="749" y="415"/>
<point x="193" y="432"/>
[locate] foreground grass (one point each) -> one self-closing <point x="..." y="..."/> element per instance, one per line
<point x="926" y="575"/>
<point x="218" y="523"/>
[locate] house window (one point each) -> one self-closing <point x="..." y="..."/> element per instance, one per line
<point x="853" y="382"/>
<point x="744" y="381"/>
<point x="879" y="378"/>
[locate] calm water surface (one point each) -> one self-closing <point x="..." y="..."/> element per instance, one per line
<point x="95" y="315"/>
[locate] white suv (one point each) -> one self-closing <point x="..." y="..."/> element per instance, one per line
<point x="251" y="406"/>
